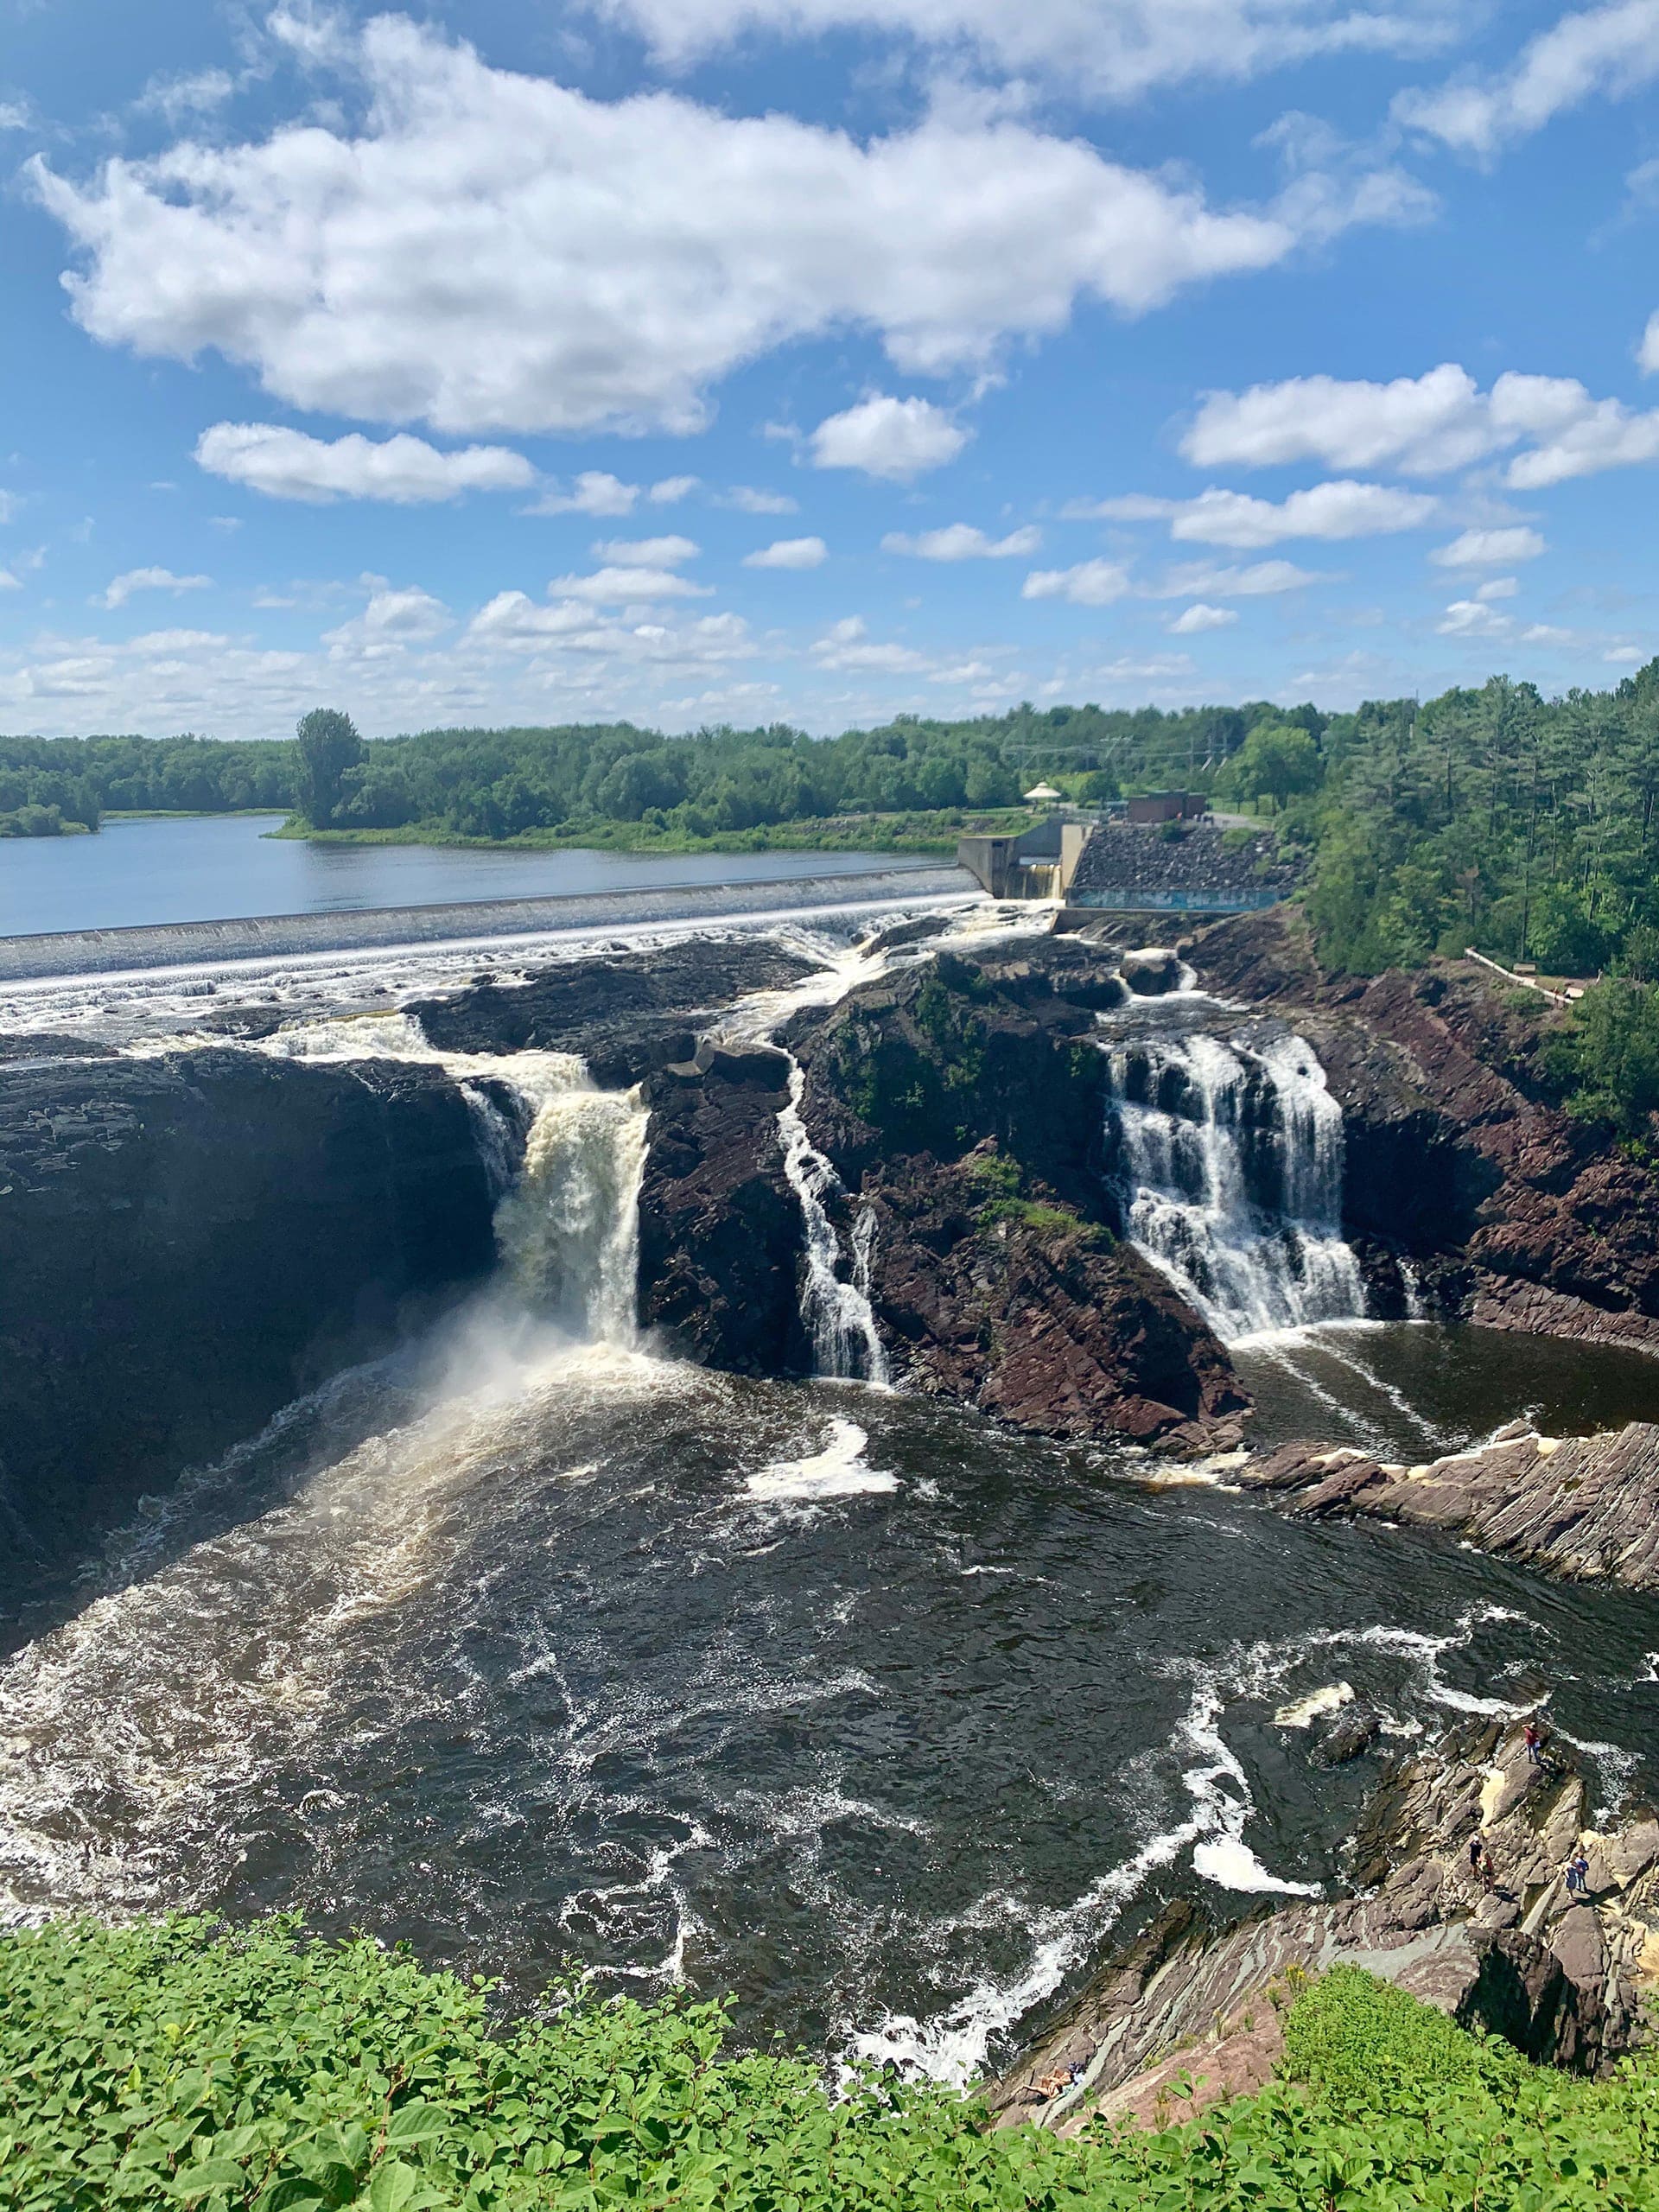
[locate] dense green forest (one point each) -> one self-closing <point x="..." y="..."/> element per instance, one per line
<point x="1490" y="816"/>
<point x="173" y="2063"/>
<point x="564" y="785"/>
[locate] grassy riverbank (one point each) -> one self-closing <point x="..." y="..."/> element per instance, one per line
<point x="171" y="2064"/>
<point x="931" y="833"/>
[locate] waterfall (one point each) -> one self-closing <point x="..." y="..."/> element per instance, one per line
<point x="1229" y="1162"/>
<point x="569" y="1229"/>
<point x="837" y="1314"/>
<point x="565" y="1180"/>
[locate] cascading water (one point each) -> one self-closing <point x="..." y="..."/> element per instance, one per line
<point x="566" y="1178"/>
<point x="569" y="1229"/>
<point x="1230" y="1159"/>
<point x="837" y="1314"/>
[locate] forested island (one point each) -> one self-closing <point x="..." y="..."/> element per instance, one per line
<point x="1493" y="816"/>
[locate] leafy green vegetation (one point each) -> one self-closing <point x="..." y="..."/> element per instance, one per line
<point x="1491" y="817"/>
<point x="1609" y="1058"/>
<point x="178" y="2064"/>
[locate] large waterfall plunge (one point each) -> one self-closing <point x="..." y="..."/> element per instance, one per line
<point x="1229" y="1157"/>
<point x="565" y="1167"/>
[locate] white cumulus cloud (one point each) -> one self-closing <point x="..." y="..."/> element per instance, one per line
<point x="1113" y="52"/>
<point x="494" y="251"/>
<point x="1421" y="425"/>
<point x="1610" y="52"/>
<point x="1198" y="618"/>
<point x="896" y="438"/>
<point x="748" y="499"/>
<point x="1089" y="583"/>
<point x="1490" y="548"/>
<point x="1424" y="426"/>
<point x="595" y="492"/>
<point x="647" y="552"/>
<point x="120" y="589"/>
<point x="1341" y="509"/>
<point x="621" y="585"/>
<point x="406" y="471"/>
<point x="1472" y="618"/>
<point x="789" y="553"/>
<point x="1253" y="579"/>
<point x="847" y="645"/>
<point x="962" y="540"/>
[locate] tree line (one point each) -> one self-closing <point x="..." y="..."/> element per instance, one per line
<point x="1488" y="816"/>
<point x="545" y="783"/>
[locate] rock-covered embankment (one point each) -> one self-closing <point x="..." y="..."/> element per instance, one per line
<point x="1566" y="1979"/>
<point x="1584" y="1507"/>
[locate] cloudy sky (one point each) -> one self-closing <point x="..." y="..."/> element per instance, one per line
<point x="707" y="360"/>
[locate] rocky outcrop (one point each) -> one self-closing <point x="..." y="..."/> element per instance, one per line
<point x="187" y="1244"/>
<point x="720" y="1230"/>
<point x="1585" y="1507"/>
<point x="1458" y="1152"/>
<point x="963" y="1102"/>
<point x="1564" y="1978"/>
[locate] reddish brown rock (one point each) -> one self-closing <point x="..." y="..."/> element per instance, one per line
<point x="1567" y="1981"/>
<point x="1584" y="1507"/>
<point x="1456" y="1149"/>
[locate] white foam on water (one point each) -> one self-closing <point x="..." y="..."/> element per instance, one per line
<point x="1306" y="1710"/>
<point x="155" y="1716"/>
<point x="839" y="1470"/>
<point x="952" y="2045"/>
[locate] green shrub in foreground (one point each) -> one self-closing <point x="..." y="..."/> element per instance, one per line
<point x="174" y="2063"/>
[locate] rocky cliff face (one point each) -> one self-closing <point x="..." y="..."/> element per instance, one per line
<point x="187" y="1244"/>
<point x="1585" y="1507"/>
<point x="1566" y="1979"/>
<point x="1520" y="1217"/>
<point x="963" y="1101"/>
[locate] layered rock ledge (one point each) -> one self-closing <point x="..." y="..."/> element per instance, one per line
<point x="1460" y="1158"/>
<point x="1584" y="1507"/>
<point x="1565" y="1979"/>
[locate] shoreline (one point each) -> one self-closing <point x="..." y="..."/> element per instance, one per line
<point x="133" y="947"/>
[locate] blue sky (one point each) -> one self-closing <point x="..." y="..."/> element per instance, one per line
<point x="818" y="360"/>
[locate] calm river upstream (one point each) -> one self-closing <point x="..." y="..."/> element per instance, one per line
<point x="219" y="867"/>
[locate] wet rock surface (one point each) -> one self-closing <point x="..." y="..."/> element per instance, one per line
<point x="1585" y="1507"/>
<point x="963" y="1102"/>
<point x="187" y="1244"/>
<point x="720" y="1229"/>
<point x="1458" y="1154"/>
<point x="1563" y="1977"/>
<point x="627" y="1014"/>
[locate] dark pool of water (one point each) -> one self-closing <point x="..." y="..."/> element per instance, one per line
<point x="849" y="1704"/>
<point x="1413" y="1390"/>
<point x="217" y="867"/>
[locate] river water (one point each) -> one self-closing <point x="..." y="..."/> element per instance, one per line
<point x="220" y="868"/>
<point x="542" y="1653"/>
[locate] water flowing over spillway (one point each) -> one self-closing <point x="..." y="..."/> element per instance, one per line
<point x="835" y="1310"/>
<point x="1230" y="1160"/>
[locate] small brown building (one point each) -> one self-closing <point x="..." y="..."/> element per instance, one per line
<point x="1167" y="806"/>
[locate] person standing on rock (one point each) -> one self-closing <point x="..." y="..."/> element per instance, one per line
<point x="1534" y="1743"/>
<point x="1578" y="1873"/>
